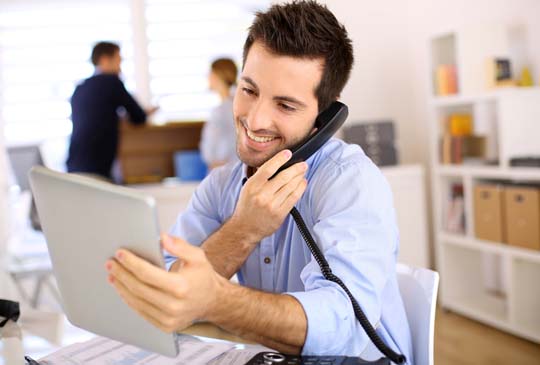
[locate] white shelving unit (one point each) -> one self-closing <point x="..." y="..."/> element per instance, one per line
<point x="491" y="282"/>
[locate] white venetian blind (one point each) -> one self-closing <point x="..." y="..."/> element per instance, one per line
<point x="184" y="37"/>
<point x="44" y="52"/>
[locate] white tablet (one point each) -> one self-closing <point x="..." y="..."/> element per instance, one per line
<point x="85" y="221"/>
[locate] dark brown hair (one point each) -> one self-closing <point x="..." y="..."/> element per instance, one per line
<point x="226" y="70"/>
<point x="103" y="49"/>
<point x="306" y="29"/>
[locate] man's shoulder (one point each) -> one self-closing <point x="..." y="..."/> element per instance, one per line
<point x="98" y="81"/>
<point x="339" y="163"/>
<point x="223" y="177"/>
<point x="337" y="155"/>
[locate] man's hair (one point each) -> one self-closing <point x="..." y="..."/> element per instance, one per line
<point x="226" y="70"/>
<point x="306" y="29"/>
<point x="103" y="49"/>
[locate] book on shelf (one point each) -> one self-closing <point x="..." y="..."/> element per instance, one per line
<point x="460" y="149"/>
<point x="454" y="215"/>
<point x="446" y="80"/>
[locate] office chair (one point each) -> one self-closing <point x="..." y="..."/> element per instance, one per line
<point x="418" y="288"/>
<point x="22" y="159"/>
<point x="32" y="265"/>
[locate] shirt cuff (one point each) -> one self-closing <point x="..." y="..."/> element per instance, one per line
<point x="330" y="327"/>
<point x="169" y="261"/>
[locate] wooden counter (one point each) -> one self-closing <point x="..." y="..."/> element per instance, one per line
<point x="146" y="152"/>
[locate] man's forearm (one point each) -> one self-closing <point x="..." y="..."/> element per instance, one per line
<point x="228" y="248"/>
<point x="274" y="320"/>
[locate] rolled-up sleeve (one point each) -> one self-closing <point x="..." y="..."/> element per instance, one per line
<point x="201" y="217"/>
<point x="354" y="225"/>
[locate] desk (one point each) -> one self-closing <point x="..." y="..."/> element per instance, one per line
<point x="220" y="349"/>
<point x="213" y="331"/>
<point x="146" y="152"/>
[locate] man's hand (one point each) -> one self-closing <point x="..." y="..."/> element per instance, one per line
<point x="263" y="204"/>
<point x="151" y="110"/>
<point x="171" y="300"/>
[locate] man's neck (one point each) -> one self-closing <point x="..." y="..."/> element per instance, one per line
<point x="103" y="71"/>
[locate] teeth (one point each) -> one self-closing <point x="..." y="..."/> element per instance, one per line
<point x="259" y="139"/>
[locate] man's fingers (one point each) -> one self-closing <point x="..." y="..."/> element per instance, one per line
<point x="294" y="196"/>
<point x="286" y="190"/>
<point x="270" y="167"/>
<point x="286" y="176"/>
<point x="185" y="251"/>
<point x="136" y="286"/>
<point x="147" y="272"/>
<point x="142" y="307"/>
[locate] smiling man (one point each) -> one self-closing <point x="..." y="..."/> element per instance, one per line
<point x="297" y="59"/>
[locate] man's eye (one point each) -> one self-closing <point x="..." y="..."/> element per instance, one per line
<point x="248" y="91"/>
<point x="286" y="107"/>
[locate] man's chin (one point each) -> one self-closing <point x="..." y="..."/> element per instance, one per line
<point x="256" y="161"/>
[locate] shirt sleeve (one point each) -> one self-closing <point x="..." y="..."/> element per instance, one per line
<point x="201" y="217"/>
<point x="123" y="98"/>
<point x="356" y="230"/>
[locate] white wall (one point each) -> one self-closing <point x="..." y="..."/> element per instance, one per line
<point x="6" y="289"/>
<point x="391" y="76"/>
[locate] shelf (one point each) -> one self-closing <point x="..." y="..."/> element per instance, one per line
<point x="491" y="313"/>
<point x="489" y="246"/>
<point x="489" y="172"/>
<point x="490" y="95"/>
<point x="491" y="282"/>
<point x="488" y="309"/>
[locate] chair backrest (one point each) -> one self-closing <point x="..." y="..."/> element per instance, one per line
<point x="418" y="288"/>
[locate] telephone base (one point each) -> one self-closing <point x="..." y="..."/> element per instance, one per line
<point x="275" y="358"/>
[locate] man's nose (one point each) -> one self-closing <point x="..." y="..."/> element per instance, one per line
<point x="260" y="117"/>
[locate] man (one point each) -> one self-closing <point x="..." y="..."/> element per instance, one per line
<point x="94" y="112"/>
<point x="297" y="59"/>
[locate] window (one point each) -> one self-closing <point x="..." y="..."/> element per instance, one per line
<point x="44" y="52"/>
<point x="184" y="37"/>
<point x="167" y="47"/>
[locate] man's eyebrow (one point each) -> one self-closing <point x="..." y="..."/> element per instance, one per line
<point x="288" y="99"/>
<point x="249" y="81"/>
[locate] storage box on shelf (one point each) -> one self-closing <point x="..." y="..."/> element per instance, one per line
<point x="485" y="275"/>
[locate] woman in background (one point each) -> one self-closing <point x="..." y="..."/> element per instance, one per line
<point x="218" y="141"/>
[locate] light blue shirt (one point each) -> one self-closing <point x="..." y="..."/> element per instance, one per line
<point x="349" y="209"/>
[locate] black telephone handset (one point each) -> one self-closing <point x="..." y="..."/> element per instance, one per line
<point x="327" y="123"/>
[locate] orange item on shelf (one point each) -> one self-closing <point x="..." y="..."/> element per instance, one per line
<point x="460" y="124"/>
<point x="446" y="77"/>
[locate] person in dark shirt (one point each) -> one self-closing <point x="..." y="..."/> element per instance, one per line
<point x="95" y="105"/>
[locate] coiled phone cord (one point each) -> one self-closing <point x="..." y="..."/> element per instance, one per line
<point x="328" y="275"/>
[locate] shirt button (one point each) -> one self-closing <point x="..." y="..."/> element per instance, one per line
<point x="267" y="260"/>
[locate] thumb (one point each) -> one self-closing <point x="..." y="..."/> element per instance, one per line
<point x="178" y="247"/>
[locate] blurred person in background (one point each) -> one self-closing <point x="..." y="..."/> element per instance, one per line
<point x="218" y="140"/>
<point x="95" y="107"/>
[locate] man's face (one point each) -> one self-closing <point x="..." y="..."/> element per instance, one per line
<point x="275" y="105"/>
<point x="111" y="64"/>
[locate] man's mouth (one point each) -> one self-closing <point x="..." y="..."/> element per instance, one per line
<point x="259" y="139"/>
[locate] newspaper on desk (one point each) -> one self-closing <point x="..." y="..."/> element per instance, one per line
<point x="192" y="351"/>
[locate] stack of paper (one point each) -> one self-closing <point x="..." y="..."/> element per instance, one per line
<point x="192" y="351"/>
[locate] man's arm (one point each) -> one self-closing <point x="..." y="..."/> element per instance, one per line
<point x="172" y="301"/>
<point x="261" y="209"/>
<point x="123" y="98"/>
<point x="274" y="320"/>
<point x="227" y="249"/>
